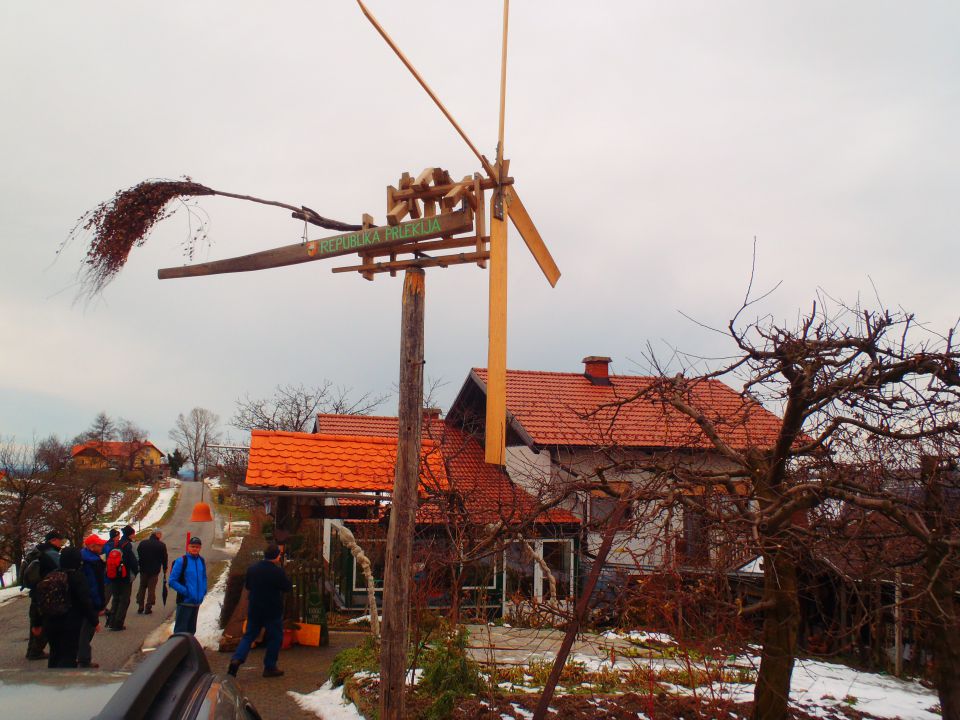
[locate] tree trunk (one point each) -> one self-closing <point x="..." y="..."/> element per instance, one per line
<point x="780" y="629"/>
<point x="941" y="610"/>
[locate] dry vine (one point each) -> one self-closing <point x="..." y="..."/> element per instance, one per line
<point x="125" y="221"/>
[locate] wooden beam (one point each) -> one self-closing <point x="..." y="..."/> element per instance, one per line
<point x="481" y="210"/>
<point x="335" y="246"/>
<point x="528" y="231"/>
<point x="423" y="179"/>
<point x="443" y="261"/>
<point x="496" y="425"/>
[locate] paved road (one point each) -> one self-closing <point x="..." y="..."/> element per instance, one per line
<point x="113" y="650"/>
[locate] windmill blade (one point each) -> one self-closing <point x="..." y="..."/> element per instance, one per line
<point x="496" y="426"/>
<point x="531" y="236"/>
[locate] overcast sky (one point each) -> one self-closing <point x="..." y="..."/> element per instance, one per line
<point x="651" y="142"/>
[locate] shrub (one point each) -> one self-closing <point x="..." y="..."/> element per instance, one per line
<point x="448" y="674"/>
<point x="363" y="657"/>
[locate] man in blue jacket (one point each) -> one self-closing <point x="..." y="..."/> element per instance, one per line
<point x="266" y="583"/>
<point x="188" y="577"/>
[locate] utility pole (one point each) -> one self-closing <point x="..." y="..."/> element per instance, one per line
<point x="396" y="579"/>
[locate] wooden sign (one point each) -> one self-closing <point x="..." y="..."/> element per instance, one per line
<point x="403" y="233"/>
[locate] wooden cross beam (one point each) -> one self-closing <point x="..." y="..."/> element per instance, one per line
<point x="344" y="244"/>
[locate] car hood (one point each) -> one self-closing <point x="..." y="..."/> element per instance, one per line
<point x="56" y="694"/>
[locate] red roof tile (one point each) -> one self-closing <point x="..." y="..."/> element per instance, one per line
<point x="110" y="449"/>
<point x="552" y="408"/>
<point x="326" y="462"/>
<point x="488" y="493"/>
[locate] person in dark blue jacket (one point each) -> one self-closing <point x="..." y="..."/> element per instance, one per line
<point x="93" y="570"/>
<point x="266" y="584"/>
<point x="188" y="577"/>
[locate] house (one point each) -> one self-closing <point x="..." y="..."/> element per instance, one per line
<point x="592" y="428"/>
<point x="482" y="543"/>
<point x="137" y="455"/>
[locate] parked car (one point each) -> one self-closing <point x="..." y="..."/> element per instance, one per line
<point x="174" y="682"/>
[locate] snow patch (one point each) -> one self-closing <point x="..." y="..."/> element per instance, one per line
<point x="327" y="703"/>
<point x="208" y="620"/>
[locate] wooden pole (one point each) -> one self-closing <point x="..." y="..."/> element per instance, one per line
<point x="397" y="575"/>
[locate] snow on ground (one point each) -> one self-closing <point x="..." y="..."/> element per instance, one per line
<point x="159" y="508"/>
<point x="125" y="519"/>
<point x="11" y="593"/>
<point x="881" y="695"/>
<point x="327" y="703"/>
<point x="208" y="621"/>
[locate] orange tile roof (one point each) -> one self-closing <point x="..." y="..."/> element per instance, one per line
<point x="111" y="449"/>
<point x="292" y="460"/>
<point x="551" y="407"/>
<point x="487" y="491"/>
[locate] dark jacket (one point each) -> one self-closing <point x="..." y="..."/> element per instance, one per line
<point x="93" y="570"/>
<point x="80" y="604"/>
<point x="129" y="558"/>
<point x="152" y="554"/>
<point x="49" y="559"/>
<point x="266" y="583"/>
<point x="188" y="577"/>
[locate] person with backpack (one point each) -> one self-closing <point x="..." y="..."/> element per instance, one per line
<point x="63" y="597"/>
<point x="152" y="554"/>
<point x="39" y="562"/>
<point x="122" y="568"/>
<point x="94" y="570"/>
<point x="188" y="577"/>
<point x="108" y="588"/>
<point x="266" y="584"/>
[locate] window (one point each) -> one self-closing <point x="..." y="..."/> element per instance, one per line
<point x="524" y="578"/>
<point x="480" y="574"/>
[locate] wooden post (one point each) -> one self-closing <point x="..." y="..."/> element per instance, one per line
<point x="397" y="575"/>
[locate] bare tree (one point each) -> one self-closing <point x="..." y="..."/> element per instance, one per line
<point x="135" y="438"/>
<point x="75" y="500"/>
<point x="840" y="379"/>
<point x="194" y="433"/>
<point x="294" y="407"/>
<point x="23" y="510"/>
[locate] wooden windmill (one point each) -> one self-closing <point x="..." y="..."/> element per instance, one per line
<point x="505" y="201"/>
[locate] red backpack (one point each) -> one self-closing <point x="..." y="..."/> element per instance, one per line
<point x="116" y="569"/>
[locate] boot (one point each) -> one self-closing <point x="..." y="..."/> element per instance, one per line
<point x="272" y="672"/>
<point x="233" y="668"/>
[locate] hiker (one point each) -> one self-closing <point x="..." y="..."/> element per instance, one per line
<point x="266" y="583"/>
<point x="64" y="601"/>
<point x="39" y="562"/>
<point x="108" y="588"/>
<point x="122" y="568"/>
<point x="94" y="570"/>
<point x="152" y="554"/>
<point x="188" y="577"/>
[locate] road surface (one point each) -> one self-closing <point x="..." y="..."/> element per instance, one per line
<point x="115" y="650"/>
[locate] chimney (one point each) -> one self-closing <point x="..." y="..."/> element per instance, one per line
<point x="596" y="369"/>
<point x="431" y="413"/>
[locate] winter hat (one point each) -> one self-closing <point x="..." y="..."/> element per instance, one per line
<point x="94" y="540"/>
<point x="271" y="553"/>
<point x="113" y="533"/>
<point x="69" y="559"/>
<point x="52" y="535"/>
<point x="128" y="530"/>
<point x="195" y="540"/>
